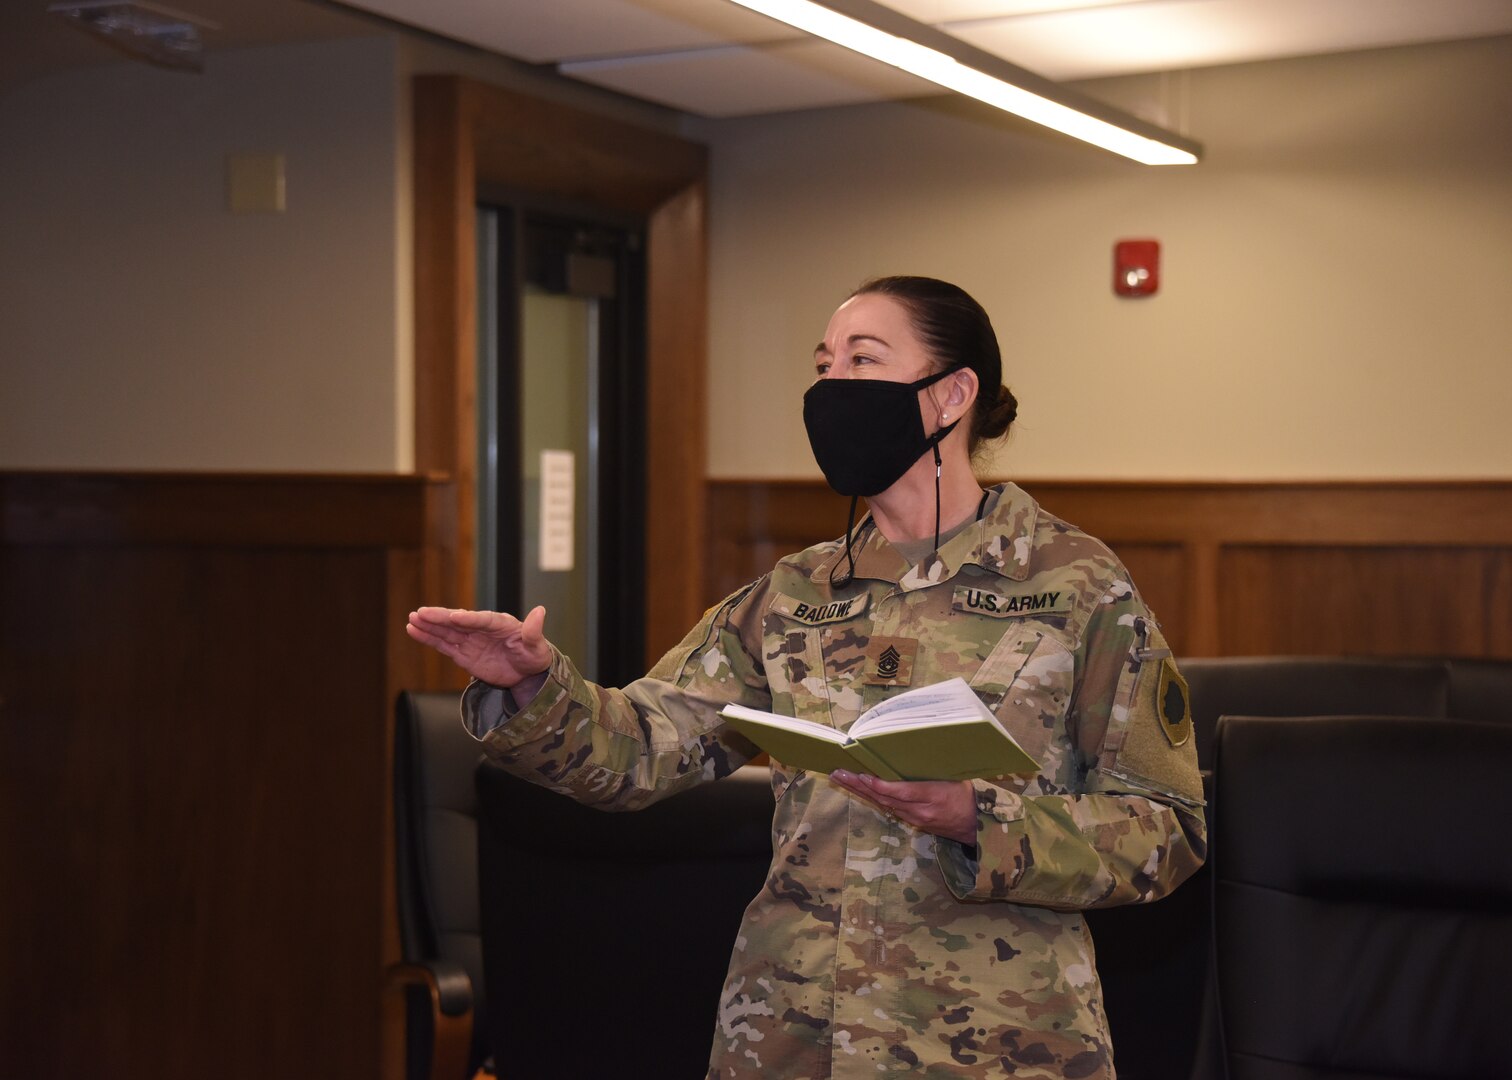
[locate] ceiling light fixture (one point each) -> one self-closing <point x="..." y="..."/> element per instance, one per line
<point x="143" y="31"/>
<point x="884" y="34"/>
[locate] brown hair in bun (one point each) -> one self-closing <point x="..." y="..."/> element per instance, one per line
<point x="958" y="333"/>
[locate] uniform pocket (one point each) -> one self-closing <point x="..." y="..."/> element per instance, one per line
<point x="794" y="664"/>
<point x="1026" y="680"/>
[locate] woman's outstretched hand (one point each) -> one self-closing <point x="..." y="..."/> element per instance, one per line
<point x="489" y="645"/>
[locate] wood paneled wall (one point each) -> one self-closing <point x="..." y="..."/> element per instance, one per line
<point x="196" y="684"/>
<point x="197" y="676"/>
<point x="1379" y="568"/>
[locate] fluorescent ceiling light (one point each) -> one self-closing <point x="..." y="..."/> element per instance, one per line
<point x="883" y="34"/>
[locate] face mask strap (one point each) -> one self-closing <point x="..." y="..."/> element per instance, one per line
<point x="930" y="380"/>
<point x="937" y="495"/>
<point x="850" y="572"/>
<point x="934" y="440"/>
<point x="934" y="444"/>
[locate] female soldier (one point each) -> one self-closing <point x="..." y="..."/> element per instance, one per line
<point x="927" y="928"/>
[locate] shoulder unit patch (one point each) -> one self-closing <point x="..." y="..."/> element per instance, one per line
<point x="1173" y="704"/>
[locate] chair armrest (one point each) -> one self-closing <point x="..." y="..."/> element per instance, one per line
<point x="451" y="1000"/>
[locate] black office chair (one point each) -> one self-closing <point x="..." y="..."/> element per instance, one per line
<point x="1171" y="1034"/>
<point x="1363" y="897"/>
<point x="1153" y="961"/>
<point x="436" y="856"/>
<point x="606" y="936"/>
<point x="1311" y="686"/>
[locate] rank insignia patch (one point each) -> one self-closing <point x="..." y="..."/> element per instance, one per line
<point x="889" y="661"/>
<point x="1173" y="704"/>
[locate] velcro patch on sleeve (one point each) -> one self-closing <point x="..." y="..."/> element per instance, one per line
<point x="812" y="613"/>
<point x="1173" y="704"/>
<point x="1013" y="605"/>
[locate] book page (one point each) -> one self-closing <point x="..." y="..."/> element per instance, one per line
<point x="787" y="723"/>
<point x="948" y="702"/>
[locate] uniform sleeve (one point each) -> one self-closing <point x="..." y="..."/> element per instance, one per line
<point x="622" y="749"/>
<point x="1135" y="829"/>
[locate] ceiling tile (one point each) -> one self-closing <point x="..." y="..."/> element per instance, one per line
<point x="936" y="12"/>
<point x="547" y="31"/>
<point x="738" y="81"/>
<point x="1168" y="35"/>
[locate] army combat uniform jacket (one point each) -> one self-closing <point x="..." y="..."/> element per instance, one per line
<point x="874" y="948"/>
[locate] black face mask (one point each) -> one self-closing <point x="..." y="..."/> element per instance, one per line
<point x="866" y="433"/>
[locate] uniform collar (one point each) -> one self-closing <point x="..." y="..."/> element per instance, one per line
<point x="1002" y="542"/>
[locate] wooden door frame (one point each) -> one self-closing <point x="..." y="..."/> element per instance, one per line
<point x="468" y="134"/>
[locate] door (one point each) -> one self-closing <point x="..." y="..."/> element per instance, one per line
<point x="562" y="430"/>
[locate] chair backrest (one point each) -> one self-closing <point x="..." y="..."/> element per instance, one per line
<point x="1172" y="1034"/>
<point x="436" y="847"/>
<point x="606" y="936"/>
<point x="1310" y="686"/>
<point x="1480" y="689"/>
<point x="1363" y="885"/>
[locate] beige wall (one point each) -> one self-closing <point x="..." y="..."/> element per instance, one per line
<point x="146" y="326"/>
<point x="1336" y="273"/>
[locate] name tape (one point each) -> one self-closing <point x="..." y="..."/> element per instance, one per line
<point x="999" y="606"/>
<point x="814" y="614"/>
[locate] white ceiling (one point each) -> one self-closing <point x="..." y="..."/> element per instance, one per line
<point x="714" y="58"/>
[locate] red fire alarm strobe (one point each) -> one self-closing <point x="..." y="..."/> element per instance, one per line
<point x="1136" y="267"/>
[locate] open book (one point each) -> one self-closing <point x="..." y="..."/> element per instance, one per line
<point x="938" y="732"/>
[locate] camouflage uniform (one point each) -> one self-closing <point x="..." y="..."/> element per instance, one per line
<point x="874" y="947"/>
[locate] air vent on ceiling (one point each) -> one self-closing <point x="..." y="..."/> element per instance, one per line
<point x="143" y="31"/>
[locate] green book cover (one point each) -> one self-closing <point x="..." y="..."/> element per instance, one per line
<point x="938" y="732"/>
